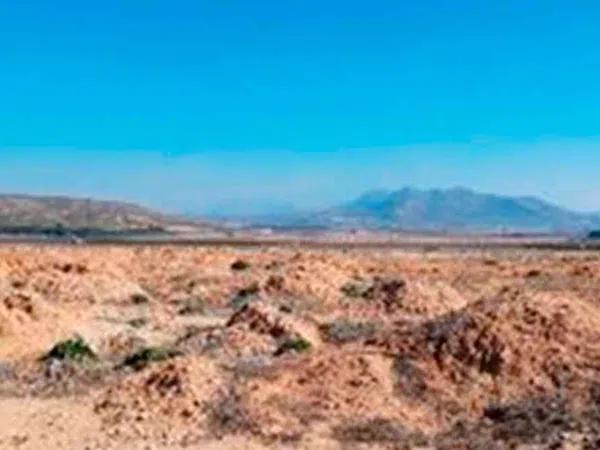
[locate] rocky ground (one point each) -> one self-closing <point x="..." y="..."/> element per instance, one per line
<point x="222" y="348"/>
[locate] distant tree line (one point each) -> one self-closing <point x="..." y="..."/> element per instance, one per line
<point x="59" y="230"/>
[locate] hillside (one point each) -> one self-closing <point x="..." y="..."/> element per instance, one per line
<point x="456" y="209"/>
<point x="33" y="212"/>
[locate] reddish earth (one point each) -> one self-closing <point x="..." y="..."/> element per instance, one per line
<point x="222" y="348"/>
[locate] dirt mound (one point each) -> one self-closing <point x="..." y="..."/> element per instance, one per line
<point x="28" y="321"/>
<point x="414" y="298"/>
<point x="541" y="422"/>
<point x="167" y="402"/>
<point x="269" y="322"/>
<point x="331" y="387"/>
<point x="541" y="341"/>
<point x="500" y="349"/>
<point x="432" y="298"/>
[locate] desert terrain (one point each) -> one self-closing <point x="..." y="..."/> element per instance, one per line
<point x="172" y="347"/>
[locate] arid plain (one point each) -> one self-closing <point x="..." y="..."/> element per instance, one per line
<point x="161" y="347"/>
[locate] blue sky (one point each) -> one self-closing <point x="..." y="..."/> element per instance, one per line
<point x="188" y="104"/>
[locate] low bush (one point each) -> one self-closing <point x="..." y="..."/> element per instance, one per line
<point x="275" y="283"/>
<point x="72" y="350"/>
<point x="353" y="289"/>
<point x="139" y="299"/>
<point x="228" y="414"/>
<point x="245" y="295"/>
<point x="239" y="265"/>
<point x="298" y="345"/>
<point x="138" y="322"/>
<point x="192" y="306"/>
<point x="410" y="380"/>
<point x="254" y="366"/>
<point x="343" y="331"/>
<point x="378" y="430"/>
<point x="148" y="355"/>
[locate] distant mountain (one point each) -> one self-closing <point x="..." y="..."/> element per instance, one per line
<point x="456" y="209"/>
<point x="37" y="212"/>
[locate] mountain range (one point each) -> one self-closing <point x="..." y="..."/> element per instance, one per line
<point x="31" y="213"/>
<point x="455" y="209"/>
<point x="408" y="209"/>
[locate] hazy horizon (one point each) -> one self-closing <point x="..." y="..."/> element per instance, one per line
<point x="559" y="171"/>
<point x="187" y="106"/>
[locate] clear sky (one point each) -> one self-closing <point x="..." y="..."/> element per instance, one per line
<point x="185" y="104"/>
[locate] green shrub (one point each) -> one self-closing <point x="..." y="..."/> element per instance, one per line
<point x="142" y="358"/>
<point x="72" y="350"/>
<point x="298" y="345"/>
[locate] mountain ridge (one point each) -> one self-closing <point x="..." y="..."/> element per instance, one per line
<point x="31" y="212"/>
<point x="456" y="209"/>
<point x="452" y="209"/>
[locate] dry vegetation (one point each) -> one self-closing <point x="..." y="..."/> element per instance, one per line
<point x="218" y="348"/>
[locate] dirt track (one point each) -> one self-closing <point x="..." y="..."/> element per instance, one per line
<point x="291" y="347"/>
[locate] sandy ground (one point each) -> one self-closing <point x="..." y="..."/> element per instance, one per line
<point x="224" y="348"/>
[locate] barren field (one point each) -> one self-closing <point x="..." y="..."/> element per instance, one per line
<point x="222" y="348"/>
